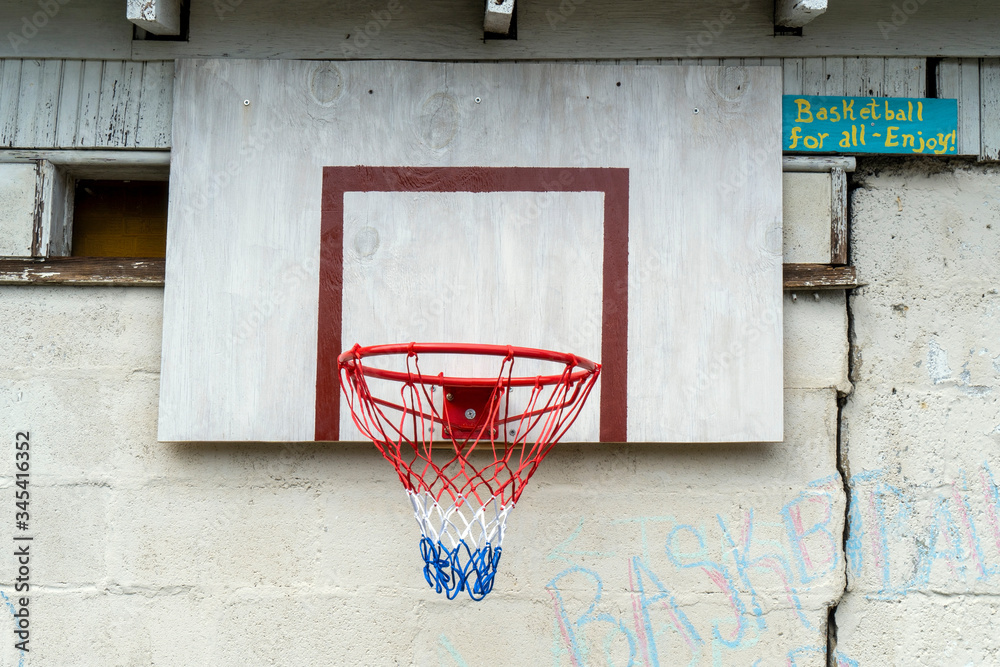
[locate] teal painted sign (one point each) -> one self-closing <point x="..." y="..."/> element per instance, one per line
<point x="892" y="125"/>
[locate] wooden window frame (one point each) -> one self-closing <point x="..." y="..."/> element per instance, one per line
<point x="50" y="263"/>
<point x="838" y="274"/>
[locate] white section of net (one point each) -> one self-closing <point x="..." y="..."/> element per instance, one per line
<point x="462" y="521"/>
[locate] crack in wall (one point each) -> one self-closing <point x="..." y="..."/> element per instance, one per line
<point x="843" y="467"/>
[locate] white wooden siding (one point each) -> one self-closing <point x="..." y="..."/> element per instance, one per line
<point x="856" y="76"/>
<point x="958" y="78"/>
<point x="85" y="103"/>
<point x="989" y="94"/>
<point x="975" y="83"/>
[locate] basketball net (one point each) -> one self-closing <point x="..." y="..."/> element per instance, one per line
<point x="463" y="452"/>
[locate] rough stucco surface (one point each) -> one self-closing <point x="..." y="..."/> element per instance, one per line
<point x="165" y="554"/>
<point x="921" y="432"/>
<point x="17" y="209"/>
<point x="806" y="199"/>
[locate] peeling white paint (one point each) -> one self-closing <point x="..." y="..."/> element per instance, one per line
<point x="937" y="363"/>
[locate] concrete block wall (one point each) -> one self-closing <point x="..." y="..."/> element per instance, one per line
<point x="17" y="208"/>
<point x="307" y="554"/>
<point x="806" y="217"/>
<point x="921" y="432"/>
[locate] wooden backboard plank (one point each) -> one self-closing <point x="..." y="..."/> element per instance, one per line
<point x="691" y="371"/>
<point x="703" y="266"/>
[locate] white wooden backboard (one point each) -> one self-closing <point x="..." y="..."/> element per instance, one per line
<point x="627" y="214"/>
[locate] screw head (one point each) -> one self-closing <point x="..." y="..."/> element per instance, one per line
<point x="470" y="414"/>
<point x="478" y="100"/>
<point x="246" y="103"/>
<point x="450" y="396"/>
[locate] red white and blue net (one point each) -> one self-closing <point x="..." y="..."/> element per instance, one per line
<point x="464" y="447"/>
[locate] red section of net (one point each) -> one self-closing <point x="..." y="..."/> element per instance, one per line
<point x="491" y="456"/>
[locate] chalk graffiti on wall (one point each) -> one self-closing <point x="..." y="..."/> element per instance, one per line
<point x="754" y="569"/>
<point x="916" y="539"/>
<point x="13" y="612"/>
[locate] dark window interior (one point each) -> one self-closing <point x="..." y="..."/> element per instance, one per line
<point x="120" y="219"/>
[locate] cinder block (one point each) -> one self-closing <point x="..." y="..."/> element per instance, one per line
<point x="69" y="524"/>
<point x="215" y="539"/>
<point x="54" y="330"/>
<point x="481" y="636"/>
<point x="806" y="221"/>
<point x="115" y="625"/>
<point x="953" y="630"/>
<point x="17" y="208"/>
<point x="816" y="347"/>
<point x="89" y="426"/>
<point x="377" y="549"/>
<point x="319" y="627"/>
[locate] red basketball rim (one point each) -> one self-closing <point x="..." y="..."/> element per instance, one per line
<point x="350" y="359"/>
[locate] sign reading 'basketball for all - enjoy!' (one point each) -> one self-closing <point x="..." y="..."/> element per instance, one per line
<point x="630" y="215"/>
<point x="888" y="125"/>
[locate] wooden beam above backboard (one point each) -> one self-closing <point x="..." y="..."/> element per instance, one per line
<point x="160" y="17"/>
<point x="797" y="13"/>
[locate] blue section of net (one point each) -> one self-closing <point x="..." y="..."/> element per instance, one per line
<point x="452" y="571"/>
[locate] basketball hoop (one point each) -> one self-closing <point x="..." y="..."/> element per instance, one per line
<point x="464" y="447"/>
